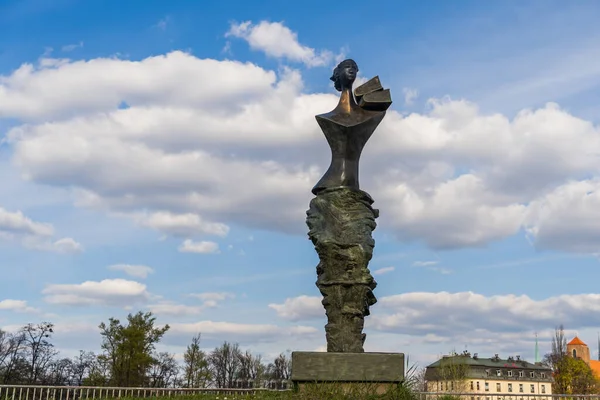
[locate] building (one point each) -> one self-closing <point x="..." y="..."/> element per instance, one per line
<point x="489" y="378"/>
<point x="576" y="348"/>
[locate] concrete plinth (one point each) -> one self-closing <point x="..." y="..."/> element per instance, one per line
<point x="378" y="370"/>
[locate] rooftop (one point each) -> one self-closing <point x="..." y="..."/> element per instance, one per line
<point x="492" y="362"/>
<point x="576" y="341"/>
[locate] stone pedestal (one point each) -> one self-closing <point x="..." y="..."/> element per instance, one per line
<point x="379" y="370"/>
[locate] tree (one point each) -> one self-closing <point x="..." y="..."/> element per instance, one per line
<point x="453" y="372"/>
<point x="11" y="357"/>
<point x="575" y="377"/>
<point x="225" y="364"/>
<point x="81" y="366"/>
<point x="281" y="368"/>
<point x="252" y="370"/>
<point x="164" y="370"/>
<point x="196" y="369"/>
<point x="38" y="350"/>
<point x="129" y="350"/>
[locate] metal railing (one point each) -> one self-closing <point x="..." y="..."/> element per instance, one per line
<point x="37" y="392"/>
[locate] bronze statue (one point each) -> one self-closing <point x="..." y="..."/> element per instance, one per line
<point x="340" y="218"/>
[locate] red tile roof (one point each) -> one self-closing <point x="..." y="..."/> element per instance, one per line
<point x="576" y="341"/>
<point x="595" y="366"/>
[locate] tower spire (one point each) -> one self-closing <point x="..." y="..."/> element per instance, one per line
<point x="537" y="350"/>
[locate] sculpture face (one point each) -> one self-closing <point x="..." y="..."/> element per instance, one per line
<point x="348" y="74"/>
<point x="344" y="74"/>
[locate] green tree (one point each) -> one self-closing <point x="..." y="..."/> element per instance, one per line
<point x="129" y="349"/>
<point x="574" y="376"/>
<point x="453" y="372"/>
<point x="195" y="364"/>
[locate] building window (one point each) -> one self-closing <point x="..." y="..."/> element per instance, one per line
<point x="510" y="387"/>
<point x="509" y="373"/>
<point x="574" y="353"/>
<point x="543" y="374"/>
<point x="498" y="372"/>
<point x="472" y="386"/>
<point x="487" y="386"/>
<point x="521" y="374"/>
<point x="498" y="387"/>
<point x="532" y="388"/>
<point x="520" y="388"/>
<point x="477" y="386"/>
<point x="532" y="374"/>
<point x="543" y="388"/>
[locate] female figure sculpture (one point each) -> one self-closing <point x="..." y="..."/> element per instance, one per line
<point x="340" y="218"/>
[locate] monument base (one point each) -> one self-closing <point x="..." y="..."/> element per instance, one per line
<point x="378" y="372"/>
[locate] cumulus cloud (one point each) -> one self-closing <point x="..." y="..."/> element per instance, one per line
<point x="278" y="41"/>
<point x="187" y="224"/>
<point x="16" y="222"/>
<point x="208" y="300"/>
<point x="300" y="308"/>
<point x="111" y="292"/>
<point x="16" y="306"/>
<point x="136" y="271"/>
<point x="450" y="177"/>
<point x="451" y="318"/>
<point x="34" y="235"/>
<point x="240" y="332"/>
<point x="204" y="247"/>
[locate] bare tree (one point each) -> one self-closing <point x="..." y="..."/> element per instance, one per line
<point x="281" y="368"/>
<point x="164" y="370"/>
<point x="39" y="351"/>
<point x="11" y="356"/>
<point x="81" y="366"/>
<point x="225" y="364"/>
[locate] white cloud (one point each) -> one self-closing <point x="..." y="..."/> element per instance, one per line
<point x="34" y="235"/>
<point x="17" y="223"/>
<point x="203" y="247"/>
<point x="16" y="306"/>
<point x="187" y="224"/>
<point x="175" y="309"/>
<point x="384" y="270"/>
<point x="136" y="271"/>
<point x="410" y="95"/>
<point x="447" y="314"/>
<point x="112" y="292"/>
<point x="70" y="47"/>
<point x="451" y="318"/>
<point x="240" y="332"/>
<point x="67" y="245"/>
<point x="450" y="177"/>
<point x="213" y="296"/>
<point x="300" y="308"/>
<point x="425" y="263"/>
<point x="278" y="41"/>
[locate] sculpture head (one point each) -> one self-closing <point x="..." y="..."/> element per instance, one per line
<point x="344" y="75"/>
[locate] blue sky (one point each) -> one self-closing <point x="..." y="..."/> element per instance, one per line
<point x="159" y="156"/>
